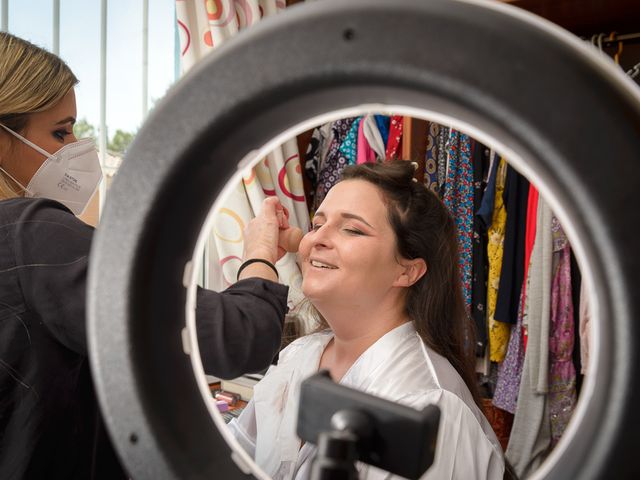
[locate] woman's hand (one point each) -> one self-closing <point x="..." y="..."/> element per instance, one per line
<point x="269" y="236"/>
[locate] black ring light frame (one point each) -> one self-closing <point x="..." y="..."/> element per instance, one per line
<point x="565" y="116"/>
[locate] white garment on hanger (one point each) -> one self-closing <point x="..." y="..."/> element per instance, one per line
<point x="397" y="367"/>
<point x="326" y="136"/>
<point x="373" y="136"/>
<point x="531" y="432"/>
<point x="585" y="328"/>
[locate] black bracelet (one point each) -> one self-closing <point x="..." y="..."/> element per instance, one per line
<point x="246" y="263"/>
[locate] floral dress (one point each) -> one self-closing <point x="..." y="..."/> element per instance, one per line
<point x="562" y="373"/>
<point x="393" y="140"/>
<point x="431" y="158"/>
<point x="349" y="147"/>
<point x="458" y="197"/>
<point x="334" y="162"/>
<point x="498" y="331"/>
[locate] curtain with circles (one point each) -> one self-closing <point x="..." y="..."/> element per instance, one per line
<point x="203" y="26"/>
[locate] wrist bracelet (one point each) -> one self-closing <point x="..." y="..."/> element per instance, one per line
<point x="246" y="263"/>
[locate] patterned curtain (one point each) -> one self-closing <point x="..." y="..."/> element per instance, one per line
<point x="204" y="25"/>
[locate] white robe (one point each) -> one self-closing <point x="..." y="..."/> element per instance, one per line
<point x="397" y="367"/>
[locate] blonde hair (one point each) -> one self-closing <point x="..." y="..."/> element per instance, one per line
<point x="31" y="80"/>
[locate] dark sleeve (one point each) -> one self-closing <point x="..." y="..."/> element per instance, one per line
<point x="240" y="329"/>
<point x="51" y="249"/>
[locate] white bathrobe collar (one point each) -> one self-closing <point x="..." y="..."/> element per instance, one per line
<point x="281" y="386"/>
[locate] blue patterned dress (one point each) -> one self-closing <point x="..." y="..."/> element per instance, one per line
<point x="458" y="197"/>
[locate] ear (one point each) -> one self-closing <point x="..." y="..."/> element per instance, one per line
<point x="412" y="271"/>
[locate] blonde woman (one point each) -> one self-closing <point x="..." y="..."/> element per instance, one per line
<point x="50" y="426"/>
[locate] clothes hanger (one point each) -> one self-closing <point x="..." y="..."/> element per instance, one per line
<point x="634" y="71"/>
<point x="600" y="39"/>
<point x="616" y="56"/>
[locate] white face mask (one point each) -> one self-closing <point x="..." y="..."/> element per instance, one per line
<point x="71" y="175"/>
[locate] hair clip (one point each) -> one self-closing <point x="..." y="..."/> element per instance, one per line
<point x="415" y="165"/>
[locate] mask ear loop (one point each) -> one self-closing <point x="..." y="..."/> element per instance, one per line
<point x="28" y="142"/>
<point x="22" y="187"/>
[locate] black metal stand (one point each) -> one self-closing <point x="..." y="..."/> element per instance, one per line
<point x="337" y="454"/>
<point x="338" y="449"/>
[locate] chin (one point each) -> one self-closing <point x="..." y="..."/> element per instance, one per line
<point x="314" y="292"/>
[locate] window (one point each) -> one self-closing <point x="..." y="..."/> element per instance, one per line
<point x="137" y="73"/>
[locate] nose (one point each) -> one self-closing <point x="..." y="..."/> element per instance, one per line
<point x="322" y="237"/>
<point x="316" y="239"/>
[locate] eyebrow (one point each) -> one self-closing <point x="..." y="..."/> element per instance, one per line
<point x="71" y="120"/>
<point x="347" y="215"/>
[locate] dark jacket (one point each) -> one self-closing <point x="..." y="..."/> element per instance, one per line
<point x="50" y="426"/>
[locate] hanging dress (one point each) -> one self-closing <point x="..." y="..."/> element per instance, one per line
<point x="364" y="153"/>
<point x="334" y="162"/>
<point x="374" y="137"/>
<point x="498" y="331"/>
<point x="480" y="159"/>
<point x="383" y="123"/>
<point x="530" y="440"/>
<point x="458" y="198"/>
<point x="431" y="158"/>
<point x="516" y="197"/>
<point x="349" y="147"/>
<point x="562" y="374"/>
<point x="395" y="136"/>
<point x="442" y="160"/>
<point x="315" y="155"/>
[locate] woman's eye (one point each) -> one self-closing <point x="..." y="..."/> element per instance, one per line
<point x="60" y="134"/>
<point x="353" y="231"/>
<point x="316" y="226"/>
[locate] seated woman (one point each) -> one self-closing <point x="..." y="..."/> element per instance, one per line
<point x="380" y="266"/>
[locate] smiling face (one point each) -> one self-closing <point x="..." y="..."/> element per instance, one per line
<point x="51" y="130"/>
<point x="349" y="259"/>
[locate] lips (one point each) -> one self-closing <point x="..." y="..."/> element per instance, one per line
<point x="321" y="264"/>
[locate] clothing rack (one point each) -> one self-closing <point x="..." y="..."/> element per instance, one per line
<point x="611" y="39"/>
<point x="627" y="37"/>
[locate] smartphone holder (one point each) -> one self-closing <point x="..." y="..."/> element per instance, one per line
<point x="349" y="425"/>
